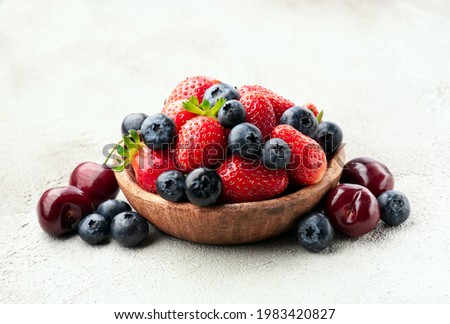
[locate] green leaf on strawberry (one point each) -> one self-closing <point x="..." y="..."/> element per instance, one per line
<point x="119" y="168"/>
<point x="205" y="105"/>
<point x="192" y="107"/>
<point x="320" y="116"/>
<point x="215" y="109"/>
<point x="204" y="108"/>
<point x="120" y="150"/>
<point x="134" y="134"/>
<point x="131" y="145"/>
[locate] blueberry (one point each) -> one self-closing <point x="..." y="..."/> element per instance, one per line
<point x="129" y="228"/>
<point x="157" y="131"/>
<point x="133" y="121"/>
<point x="314" y="232"/>
<point x="171" y="185"/>
<point x="232" y="113"/>
<point x="301" y="119"/>
<point x="245" y="140"/>
<point x="275" y="154"/>
<point x="329" y="136"/>
<point x="94" y="228"/>
<point x="203" y="186"/>
<point x="112" y="207"/>
<point x="394" y="207"/>
<point x="220" y="90"/>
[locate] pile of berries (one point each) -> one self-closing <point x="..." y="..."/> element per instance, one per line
<point x="214" y="143"/>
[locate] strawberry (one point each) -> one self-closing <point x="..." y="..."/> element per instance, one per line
<point x="308" y="161"/>
<point x="249" y="180"/>
<point x="192" y="86"/>
<point x="179" y="115"/>
<point x="259" y="112"/>
<point x="201" y="140"/>
<point x="279" y="104"/>
<point x="312" y="107"/>
<point x="148" y="164"/>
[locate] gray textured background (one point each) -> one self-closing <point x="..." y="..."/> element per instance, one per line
<point x="70" y="71"/>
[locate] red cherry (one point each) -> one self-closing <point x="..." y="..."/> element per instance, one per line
<point x="60" y="209"/>
<point x="96" y="180"/>
<point x="352" y="209"/>
<point x="369" y="173"/>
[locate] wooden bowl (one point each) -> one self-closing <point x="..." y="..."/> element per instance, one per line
<point x="229" y="223"/>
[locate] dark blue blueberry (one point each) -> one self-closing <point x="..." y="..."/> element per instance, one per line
<point x="221" y="90"/>
<point x="314" y="232"/>
<point x="112" y="207"/>
<point x="94" y="228"/>
<point x="232" y="113"/>
<point x="301" y="119"/>
<point x="394" y="207"/>
<point x="171" y="185"/>
<point x="129" y="228"/>
<point x="275" y="154"/>
<point x="157" y="131"/>
<point x="329" y="136"/>
<point x="133" y="121"/>
<point x="245" y="140"/>
<point x="203" y="186"/>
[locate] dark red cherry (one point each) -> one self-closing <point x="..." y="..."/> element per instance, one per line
<point x="60" y="209"/>
<point x="368" y="173"/>
<point x="352" y="209"/>
<point x="96" y="180"/>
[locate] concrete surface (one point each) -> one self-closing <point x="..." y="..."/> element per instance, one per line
<point x="70" y="71"/>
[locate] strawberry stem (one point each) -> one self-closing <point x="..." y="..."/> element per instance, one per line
<point x="212" y="112"/>
<point x="320" y="116"/>
<point x="132" y="145"/>
<point x="111" y="153"/>
<point x="191" y="107"/>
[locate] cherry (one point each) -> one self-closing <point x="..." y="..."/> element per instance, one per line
<point x="352" y="209"/>
<point x="369" y="173"/>
<point x="96" y="180"/>
<point x="60" y="209"/>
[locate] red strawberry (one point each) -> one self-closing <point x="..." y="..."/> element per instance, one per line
<point x="148" y="164"/>
<point x="259" y="112"/>
<point x="311" y="107"/>
<point x="201" y="143"/>
<point x="279" y="104"/>
<point x="249" y="180"/>
<point x="192" y="86"/>
<point x="308" y="161"/>
<point x="179" y="115"/>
